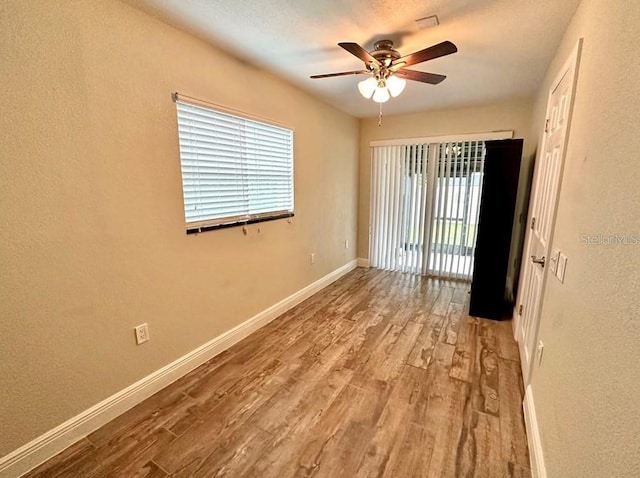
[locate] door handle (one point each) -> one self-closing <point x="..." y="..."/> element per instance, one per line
<point x="540" y="261"/>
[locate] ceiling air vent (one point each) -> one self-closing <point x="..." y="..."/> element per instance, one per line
<point x="427" y="22"/>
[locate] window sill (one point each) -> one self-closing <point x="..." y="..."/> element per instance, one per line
<point x="213" y="227"/>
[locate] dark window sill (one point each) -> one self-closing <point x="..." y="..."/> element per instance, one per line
<point x="213" y="227"/>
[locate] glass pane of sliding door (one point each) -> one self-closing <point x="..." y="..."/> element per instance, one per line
<point x="458" y="186"/>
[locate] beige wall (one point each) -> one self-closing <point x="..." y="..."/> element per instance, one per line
<point x="91" y="221"/>
<point x="586" y="390"/>
<point x="507" y="115"/>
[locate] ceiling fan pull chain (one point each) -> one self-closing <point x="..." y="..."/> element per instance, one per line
<point x="380" y="115"/>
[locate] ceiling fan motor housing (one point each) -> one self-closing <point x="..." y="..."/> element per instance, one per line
<point x="384" y="52"/>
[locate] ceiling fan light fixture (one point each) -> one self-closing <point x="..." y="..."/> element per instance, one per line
<point x="384" y="63"/>
<point x="396" y="85"/>
<point x="381" y="95"/>
<point x="367" y="87"/>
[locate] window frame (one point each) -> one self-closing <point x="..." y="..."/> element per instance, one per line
<point x="246" y="173"/>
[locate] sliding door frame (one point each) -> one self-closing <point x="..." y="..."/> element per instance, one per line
<point x="432" y="145"/>
<point x="452" y="138"/>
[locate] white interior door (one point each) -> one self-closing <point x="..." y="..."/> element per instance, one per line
<point x="542" y="213"/>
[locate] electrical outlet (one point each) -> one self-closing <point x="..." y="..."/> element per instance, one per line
<point x="312" y="257"/>
<point x="346" y="244"/>
<point x="142" y="333"/>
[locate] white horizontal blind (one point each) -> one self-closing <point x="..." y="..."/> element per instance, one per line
<point x="234" y="169"/>
<point x="424" y="207"/>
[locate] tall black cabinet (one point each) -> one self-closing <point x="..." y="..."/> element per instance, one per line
<point x="493" y="243"/>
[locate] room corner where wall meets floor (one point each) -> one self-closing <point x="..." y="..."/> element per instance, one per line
<point x="358" y="366"/>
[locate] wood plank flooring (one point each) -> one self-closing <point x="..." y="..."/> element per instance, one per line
<point x="381" y="374"/>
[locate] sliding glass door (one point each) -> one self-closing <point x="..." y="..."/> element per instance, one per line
<point x="424" y="207"/>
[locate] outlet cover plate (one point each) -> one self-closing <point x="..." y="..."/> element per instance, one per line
<point x="142" y="333"/>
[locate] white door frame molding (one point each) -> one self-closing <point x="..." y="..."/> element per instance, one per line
<point x="527" y="333"/>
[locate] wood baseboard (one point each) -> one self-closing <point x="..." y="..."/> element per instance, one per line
<point x="64" y="435"/>
<point x="363" y="262"/>
<point x="536" y="457"/>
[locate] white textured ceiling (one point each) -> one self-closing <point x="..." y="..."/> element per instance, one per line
<point x="504" y="46"/>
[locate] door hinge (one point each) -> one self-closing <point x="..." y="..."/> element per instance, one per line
<point x="520" y="310"/>
<point x="546" y="126"/>
<point x="533" y="223"/>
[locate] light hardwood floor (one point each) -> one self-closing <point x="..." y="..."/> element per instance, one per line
<point x="381" y="374"/>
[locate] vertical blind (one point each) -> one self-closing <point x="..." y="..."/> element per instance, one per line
<point x="234" y="169"/>
<point x="425" y="202"/>
<point x="398" y="207"/>
<point x="458" y="187"/>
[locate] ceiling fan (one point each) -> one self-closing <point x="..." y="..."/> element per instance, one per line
<point x="389" y="70"/>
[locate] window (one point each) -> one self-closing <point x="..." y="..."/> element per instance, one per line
<point x="235" y="170"/>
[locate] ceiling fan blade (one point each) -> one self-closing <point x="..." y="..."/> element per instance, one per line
<point x="435" y="51"/>
<point x="342" y="73"/>
<point x="430" y="78"/>
<point x="358" y="51"/>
